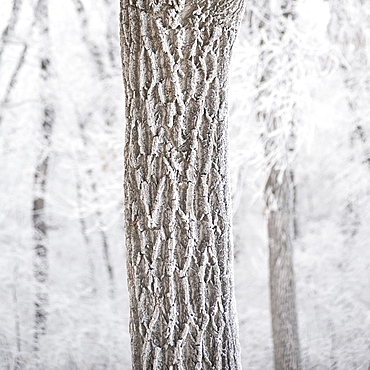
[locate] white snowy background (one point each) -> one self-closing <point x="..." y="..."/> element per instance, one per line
<point x="88" y="328"/>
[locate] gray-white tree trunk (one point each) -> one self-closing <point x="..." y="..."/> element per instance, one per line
<point x="108" y="113"/>
<point x="347" y="28"/>
<point x="276" y="110"/>
<point x="7" y="35"/>
<point x="17" y="322"/>
<point x="175" y="57"/>
<point x="9" y="29"/>
<point x="40" y="178"/>
<point x="279" y="196"/>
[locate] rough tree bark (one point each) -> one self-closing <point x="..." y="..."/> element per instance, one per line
<point x="40" y="178"/>
<point x="276" y="110"/>
<point x="175" y="57"/>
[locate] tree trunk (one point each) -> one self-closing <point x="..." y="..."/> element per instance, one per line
<point x="279" y="196"/>
<point x="85" y="235"/>
<point x="175" y="59"/>
<point x="9" y="29"/>
<point x="347" y="29"/>
<point x="276" y="104"/>
<point x="6" y="36"/>
<point x="17" y="321"/>
<point x="103" y="72"/>
<point x="40" y="180"/>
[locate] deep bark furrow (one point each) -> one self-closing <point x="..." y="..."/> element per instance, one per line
<point x="173" y="182"/>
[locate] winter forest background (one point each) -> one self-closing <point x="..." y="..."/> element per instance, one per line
<point x="320" y="87"/>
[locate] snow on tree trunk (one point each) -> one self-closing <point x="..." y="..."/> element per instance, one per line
<point x="276" y="106"/>
<point x="175" y="59"/>
<point x="40" y="179"/>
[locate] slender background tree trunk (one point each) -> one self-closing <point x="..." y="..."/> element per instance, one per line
<point x="9" y="29"/>
<point x="40" y="179"/>
<point x="177" y="208"/>
<point x="104" y="71"/>
<point x="278" y="195"/>
<point x="276" y="106"/>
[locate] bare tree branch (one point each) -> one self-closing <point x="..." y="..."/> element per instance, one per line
<point x="9" y="29"/>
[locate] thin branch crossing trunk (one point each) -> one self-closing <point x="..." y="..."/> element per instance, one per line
<point x="177" y="205"/>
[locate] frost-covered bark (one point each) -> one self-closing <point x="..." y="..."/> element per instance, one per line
<point x="40" y="178"/>
<point x="276" y="105"/>
<point x="175" y="58"/>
